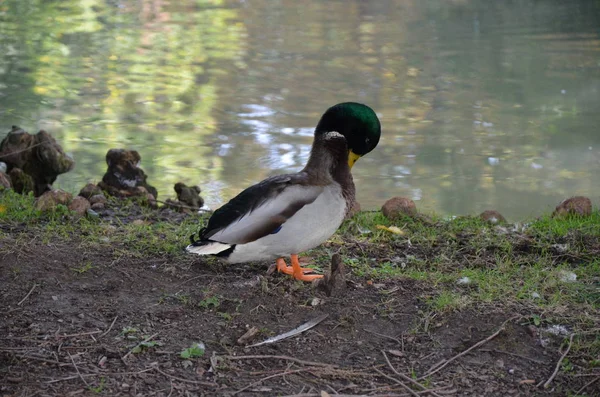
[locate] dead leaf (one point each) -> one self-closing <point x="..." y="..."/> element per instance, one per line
<point x="527" y="382"/>
<point x="396" y="353"/>
<point x="391" y="229"/>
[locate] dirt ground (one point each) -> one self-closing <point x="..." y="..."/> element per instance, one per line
<point x="73" y="315"/>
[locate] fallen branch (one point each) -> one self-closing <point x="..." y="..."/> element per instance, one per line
<point x="27" y="296"/>
<point x="475" y="346"/>
<point x="296" y="331"/>
<point x="407" y="378"/>
<point x="547" y="383"/>
<point x="286" y="358"/>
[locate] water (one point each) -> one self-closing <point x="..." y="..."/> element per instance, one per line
<point x="484" y="104"/>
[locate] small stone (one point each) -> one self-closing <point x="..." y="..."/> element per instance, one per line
<point x="316" y="301"/>
<point x="492" y="216"/>
<point x="567" y="277"/>
<point x="398" y="206"/>
<point x="50" y="199"/>
<point x="5" y="182"/>
<point x="79" y="205"/>
<point x="463" y="281"/>
<point x="97" y="198"/>
<point x="97" y="206"/>
<point x="577" y="205"/>
<point x="535" y="295"/>
<point x="90" y="190"/>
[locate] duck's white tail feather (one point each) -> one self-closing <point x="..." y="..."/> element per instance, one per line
<point x="208" y="248"/>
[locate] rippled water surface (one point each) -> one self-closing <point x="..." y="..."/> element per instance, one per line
<point x="484" y="104"/>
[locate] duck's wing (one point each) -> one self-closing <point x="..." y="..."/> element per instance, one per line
<point x="259" y="210"/>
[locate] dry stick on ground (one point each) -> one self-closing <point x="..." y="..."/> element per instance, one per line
<point x="411" y="391"/>
<point x="27" y="296"/>
<point x="195" y="382"/>
<point x="258" y="382"/>
<point x="547" y="383"/>
<point x="407" y="378"/>
<point x="109" y="328"/>
<point x="77" y="369"/>
<point x="533" y="360"/>
<point x="99" y="374"/>
<point x="286" y="358"/>
<point x="79" y="334"/>
<point x="398" y="341"/>
<point x="475" y="346"/>
<point x="139" y="344"/>
<point x="586" y="385"/>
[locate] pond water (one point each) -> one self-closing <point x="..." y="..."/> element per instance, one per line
<point x="484" y="104"/>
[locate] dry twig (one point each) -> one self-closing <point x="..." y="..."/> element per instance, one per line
<point x="258" y="382"/>
<point x="286" y="358"/>
<point x="587" y="384"/>
<point x="99" y="374"/>
<point x="109" y="328"/>
<point x="407" y="378"/>
<point x="547" y="383"/>
<point x="410" y="391"/>
<point x="475" y="346"/>
<point x="195" y="382"/>
<point x="27" y="296"/>
<point x="77" y="369"/>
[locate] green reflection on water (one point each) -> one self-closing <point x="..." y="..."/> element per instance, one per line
<point x="484" y="104"/>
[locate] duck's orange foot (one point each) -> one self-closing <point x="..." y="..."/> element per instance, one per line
<point x="295" y="270"/>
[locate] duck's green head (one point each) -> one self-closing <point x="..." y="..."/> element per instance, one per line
<point x="358" y="123"/>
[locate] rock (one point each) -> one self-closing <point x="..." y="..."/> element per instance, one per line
<point x="189" y="195"/>
<point x="21" y="182"/>
<point x="491" y="216"/>
<point x="79" y="205"/>
<point x="90" y="190"/>
<point x="98" y="198"/>
<point x="50" y="199"/>
<point x="5" y="182"/>
<point x="97" y="206"/>
<point x="577" y="205"/>
<point x="151" y="201"/>
<point x="334" y="282"/>
<point x="124" y="177"/>
<point x="38" y="156"/>
<point x="354" y="210"/>
<point x="398" y="206"/>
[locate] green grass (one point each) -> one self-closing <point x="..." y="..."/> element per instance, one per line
<point x="513" y="266"/>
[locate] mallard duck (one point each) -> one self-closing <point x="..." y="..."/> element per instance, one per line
<point x="289" y="214"/>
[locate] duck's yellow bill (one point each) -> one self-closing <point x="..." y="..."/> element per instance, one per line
<point x="352" y="157"/>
